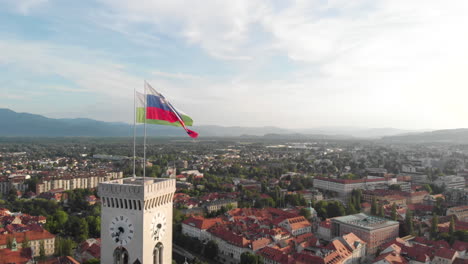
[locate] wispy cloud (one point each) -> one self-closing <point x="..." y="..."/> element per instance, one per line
<point x="297" y="63"/>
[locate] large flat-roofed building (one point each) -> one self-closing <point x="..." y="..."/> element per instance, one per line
<point x="344" y="187"/>
<point x="451" y="182"/>
<point x="375" y="231"/>
<point x="461" y="212"/>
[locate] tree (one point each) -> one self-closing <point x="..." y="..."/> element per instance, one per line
<point x="42" y="250"/>
<point x="374" y="206"/>
<point x="434" y="226"/>
<point x="12" y="194"/>
<point x="25" y="243"/>
<point x="249" y="258"/>
<point x="335" y="208"/>
<point x="420" y="232"/>
<point x="428" y="188"/>
<point x="409" y="224"/>
<point x="305" y="212"/>
<point x="452" y="227"/>
<point x="211" y="249"/>
<point x="380" y="210"/>
<point x="395" y="187"/>
<point x="92" y="261"/>
<point x="64" y="246"/>
<point x="394" y="212"/>
<point x="350" y="209"/>
<point x="9" y="242"/>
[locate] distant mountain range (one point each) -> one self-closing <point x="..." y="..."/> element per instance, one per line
<point x="459" y="135"/>
<point x="26" y="124"/>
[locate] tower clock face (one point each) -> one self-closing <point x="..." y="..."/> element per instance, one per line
<point x="121" y="230"/>
<point x="158" y="226"/>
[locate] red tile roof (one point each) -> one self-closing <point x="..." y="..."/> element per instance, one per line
<point x="20" y="256"/>
<point x="460" y="245"/>
<point x="201" y="223"/>
<point x="392" y="258"/>
<point x="445" y="253"/>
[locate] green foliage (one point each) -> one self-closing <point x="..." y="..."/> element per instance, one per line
<point x="394" y="187"/>
<point x="25" y="243"/>
<point x="374" y="206"/>
<point x="92" y="261"/>
<point x="356" y="199"/>
<point x="428" y="188"/>
<point x="350" y="209"/>
<point x="409" y="223"/>
<point x="42" y="254"/>
<point x="380" y="210"/>
<point x="335" y="208"/>
<point x="211" y="250"/>
<point x="249" y="258"/>
<point x="394" y="212"/>
<point x="305" y="212"/>
<point x="434" y="226"/>
<point x="420" y="232"/>
<point x="452" y="226"/>
<point x="439" y="208"/>
<point x="64" y="246"/>
<point x="9" y="242"/>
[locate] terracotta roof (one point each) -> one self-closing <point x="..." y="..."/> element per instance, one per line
<point x="460" y="245"/>
<point x="298" y="222"/>
<point x="391" y="258"/>
<point x="275" y="255"/>
<point x="352" y="240"/>
<point x="21" y="256"/>
<point x="32" y="235"/>
<point x="201" y="222"/>
<point x="445" y="253"/>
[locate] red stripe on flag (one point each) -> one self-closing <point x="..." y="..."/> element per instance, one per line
<point x="160" y="114"/>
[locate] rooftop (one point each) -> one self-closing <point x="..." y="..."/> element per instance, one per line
<point x="365" y="221"/>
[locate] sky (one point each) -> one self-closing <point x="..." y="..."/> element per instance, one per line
<point x="291" y="64"/>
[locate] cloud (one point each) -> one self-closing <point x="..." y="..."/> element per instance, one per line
<point x="25" y="6"/>
<point x="179" y="76"/>
<point x="364" y="62"/>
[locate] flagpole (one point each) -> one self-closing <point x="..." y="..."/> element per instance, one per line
<point x="144" y="139"/>
<point x="134" y="132"/>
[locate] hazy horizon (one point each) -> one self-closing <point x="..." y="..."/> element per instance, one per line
<point x="289" y="64"/>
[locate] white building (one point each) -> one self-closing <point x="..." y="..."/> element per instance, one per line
<point x="136" y="224"/>
<point x="451" y="182"/>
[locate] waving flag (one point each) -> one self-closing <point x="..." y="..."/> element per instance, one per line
<point x="159" y="111"/>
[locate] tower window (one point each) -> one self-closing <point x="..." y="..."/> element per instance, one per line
<point x="158" y="253"/>
<point x="120" y="256"/>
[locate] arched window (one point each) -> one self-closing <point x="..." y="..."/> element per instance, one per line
<point x="158" y="253"/>
<point x="120" y="256"/>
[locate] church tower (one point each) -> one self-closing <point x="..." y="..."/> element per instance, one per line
<point x="136" y="220"/>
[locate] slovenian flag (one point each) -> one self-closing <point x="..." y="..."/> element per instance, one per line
<point x="159" y="111"/>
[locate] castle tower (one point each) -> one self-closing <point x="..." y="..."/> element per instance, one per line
<point x="136" y="221"/>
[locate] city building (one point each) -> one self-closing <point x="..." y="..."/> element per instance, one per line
<point x="85" y="180"/>
<point x="35" y="237"/>
<point x="343" y="188"/>
<point x="136" y="225"/>
<point x="197" y="227"/>
<point x="216" y="205"/>
<point x="375" y="231"/>
<point x="297" y="225"/>
<point x="461" y="212"/>
<point x="451" y="182"/>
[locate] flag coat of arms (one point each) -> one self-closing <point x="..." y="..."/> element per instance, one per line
<point x="153" y="108"/>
